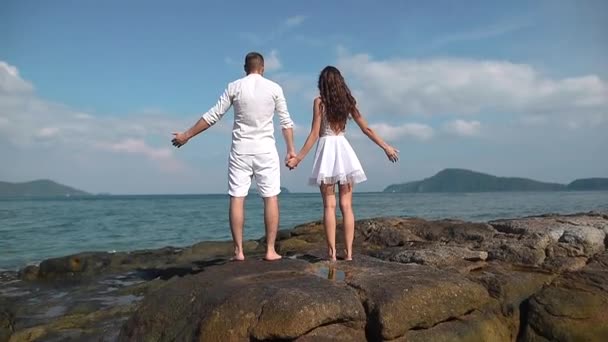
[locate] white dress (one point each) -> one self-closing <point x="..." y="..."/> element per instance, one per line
<point x="335" y="161"/>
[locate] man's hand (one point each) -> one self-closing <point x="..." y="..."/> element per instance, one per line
<point x="292" y="163"/>
<point x="179" y="139"/>
<point x="290" y="155"/>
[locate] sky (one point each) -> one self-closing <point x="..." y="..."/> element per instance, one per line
<point x="90" y="91"/>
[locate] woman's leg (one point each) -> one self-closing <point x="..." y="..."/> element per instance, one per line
<point x="329" y="217"/>
<point x="346" y="206"/>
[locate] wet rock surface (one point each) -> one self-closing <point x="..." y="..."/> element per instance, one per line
<point x="531" y="279"/>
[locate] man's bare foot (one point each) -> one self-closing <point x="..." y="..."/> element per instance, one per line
<point x="272" y="256"/>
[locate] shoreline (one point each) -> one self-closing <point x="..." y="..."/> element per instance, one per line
<point x="17" y="268"/>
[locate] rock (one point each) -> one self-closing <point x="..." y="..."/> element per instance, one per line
<point x="550" y="241"/>
<point x="335" y="332"/>
<point x="386" y="232"/>
<point x="29" y="272"/>
<point x="79" y="324"/>
<point x="311" y="232"/>
<point x="511" y="285"/>
<point x="279" y="300"/>
<point x="78" y="263"/>
<point x="531" y="279"/>
<point x="390" y="232"/>
<point x="587" y="240"/>
<point x="7" y="319"/>
<point x="528" y="251"/>
<point x="294" y="245"/>
<point x="438" y="256"/>
<point x="573" y="307"/>
<point x="97" y="263"/>
<point x="212" y="249"/>
<point x="474" y="326"/>
<point x="399" y="298"/>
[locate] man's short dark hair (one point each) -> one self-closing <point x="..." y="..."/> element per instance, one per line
<point x="254" y="61"/>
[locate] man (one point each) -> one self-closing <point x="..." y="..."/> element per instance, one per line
<point x="253" y="152"/>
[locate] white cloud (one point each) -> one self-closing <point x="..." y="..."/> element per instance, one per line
<point x="409" y="130"/>
<point x="462" y="127"/>
<point x="481" y="33"/>
<point x="294" y="21"/>
<point x="11" y="82"/>
<point x="27" y="121"/>
<point x="272" y="62"/>
<point x="48" y="132"/>
<point x="279" y="31"/>
<point x="137" y="146"/>
<point x="448" y="86"/>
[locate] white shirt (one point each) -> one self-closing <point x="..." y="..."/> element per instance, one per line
<point x="255" y="101"/>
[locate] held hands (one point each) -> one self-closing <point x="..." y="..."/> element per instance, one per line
<point x="291" y="160"/>
<point x="391" y="153"/>
<point x="179" y="139"/>
<point x="292" y="163"/>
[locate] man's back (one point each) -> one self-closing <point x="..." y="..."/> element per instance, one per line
<point x="255" y="100"/>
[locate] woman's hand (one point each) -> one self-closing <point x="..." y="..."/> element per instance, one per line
<point x="391" y="153"/>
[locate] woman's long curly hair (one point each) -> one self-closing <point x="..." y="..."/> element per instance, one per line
<point x="336" y="99"/>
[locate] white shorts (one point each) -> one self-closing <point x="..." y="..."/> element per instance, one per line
<point x="264" y="167"/>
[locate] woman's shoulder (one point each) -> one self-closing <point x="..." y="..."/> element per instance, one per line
<point x="317" y="100"/>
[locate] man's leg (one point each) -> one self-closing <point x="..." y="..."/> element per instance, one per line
<point x="237" y="220"/>
<point x="268" y="178"/>
<point x="271" y="221"/>
<point x="240" y="171"/>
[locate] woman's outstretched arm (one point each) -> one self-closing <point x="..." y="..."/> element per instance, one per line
<point x="312" y="136"/>
<point x="390" y="151"/>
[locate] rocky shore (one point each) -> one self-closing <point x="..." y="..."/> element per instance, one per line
<point x="541" y="278"/>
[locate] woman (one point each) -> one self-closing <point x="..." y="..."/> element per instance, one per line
<point x="335" y="161"/>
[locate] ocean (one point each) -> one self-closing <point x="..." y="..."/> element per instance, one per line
<point x="32" y="230"/>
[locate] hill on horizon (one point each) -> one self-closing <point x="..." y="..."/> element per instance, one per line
<point x="38" y="188"/>
<point x="462" y="180"/>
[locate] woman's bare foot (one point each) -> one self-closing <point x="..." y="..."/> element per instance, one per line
<point x="331" y="254"/>
<point x="272" y="256"/>
<point x="348" y="256"/>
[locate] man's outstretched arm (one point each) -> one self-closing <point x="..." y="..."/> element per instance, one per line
<point x="180" y="138"/>
<point x="212" y="116"/>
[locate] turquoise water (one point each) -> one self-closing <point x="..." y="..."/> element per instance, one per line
<point x="34" y="229"/>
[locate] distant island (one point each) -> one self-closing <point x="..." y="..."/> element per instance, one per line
<point x="461" y="180"/>
<point x="284" y="190"/>
<point x="38" y="188"/>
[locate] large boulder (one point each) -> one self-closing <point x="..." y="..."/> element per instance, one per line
<point x="246" y="300"/>
<point x="511" y="285"/>
<point x="558" y="243"/>
<point x="399" y="298"/>
<point x="476" y="326"/>
<point x="573" y="307"/>
<point x="179" y="260"/>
